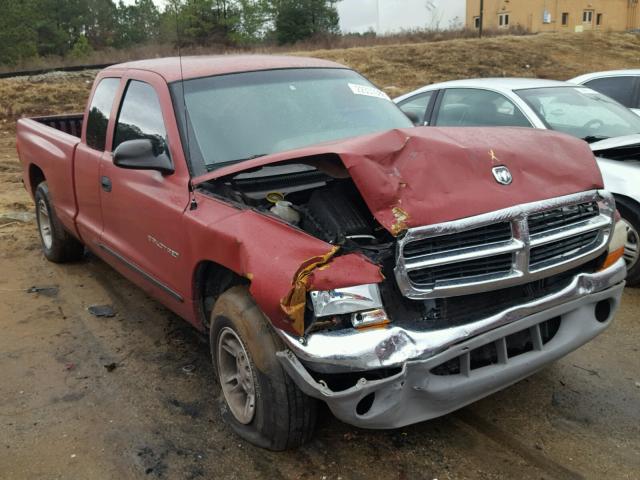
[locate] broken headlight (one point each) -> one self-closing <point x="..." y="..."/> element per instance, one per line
<point x="362" y="303"/>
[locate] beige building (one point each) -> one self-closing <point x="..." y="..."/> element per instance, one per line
<point x="555" y="15"/>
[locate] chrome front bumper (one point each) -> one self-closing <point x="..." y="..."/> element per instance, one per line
<point x="415" y="393"/>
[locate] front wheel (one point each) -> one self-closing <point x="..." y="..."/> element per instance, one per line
<point x="260" y="401"/>
<point x="58" y="245"/>
<point x="631" y="217"/>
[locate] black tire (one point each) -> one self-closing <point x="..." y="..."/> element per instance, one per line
<point x="284" y="417"/>
<point x="630" y="213"/>
<point x="61" y="246"/>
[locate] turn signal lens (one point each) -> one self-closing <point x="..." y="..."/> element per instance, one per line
<point x="616" y="245"/>
<point x="371" y="318"/>
<point x="612" y="258"/>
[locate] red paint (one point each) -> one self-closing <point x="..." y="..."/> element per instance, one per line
<point x="432" y="174"/>
<point x="442" y="174"/>
<point x="172" y="69"/>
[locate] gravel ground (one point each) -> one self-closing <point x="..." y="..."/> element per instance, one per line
<point x="132" y="396"/>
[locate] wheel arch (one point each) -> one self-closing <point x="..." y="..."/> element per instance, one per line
<point x="627" y="201"/>
<point x="36" y="176"/>
<point x="210" y="280"/>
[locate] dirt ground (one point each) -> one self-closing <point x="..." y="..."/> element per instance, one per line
<point x="133" y="396"/>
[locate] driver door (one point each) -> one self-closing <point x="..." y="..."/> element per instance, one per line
<point x="142" y="210"/>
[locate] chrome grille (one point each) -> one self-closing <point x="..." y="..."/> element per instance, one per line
<point x="482" y="266"/>
<point x="565" y="248"/>
<point x="500" y="232"/>
<point x="560" y="217"/>
<point x="504" y="248"/>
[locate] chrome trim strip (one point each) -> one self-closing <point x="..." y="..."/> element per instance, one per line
<point x="520" y="245"/>
<point x="587" y="226"/>
<point x="464" y="254"/>
<point x="142" y="273"/>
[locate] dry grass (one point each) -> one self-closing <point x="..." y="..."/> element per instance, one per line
<point x="324" y="42"/>
<point x="395" y="68"/>
<point x="401" y="68"/>
<point x="49" y="94"/>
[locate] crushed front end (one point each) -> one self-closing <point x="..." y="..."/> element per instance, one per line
<point x="407" y="279"/>
<point x="467" y="308"/>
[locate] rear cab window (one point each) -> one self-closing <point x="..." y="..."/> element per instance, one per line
<point x="140" y="117"/>
<point x="99" y="111"/>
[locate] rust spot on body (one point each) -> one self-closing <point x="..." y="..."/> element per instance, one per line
<point x="402" y="217"/>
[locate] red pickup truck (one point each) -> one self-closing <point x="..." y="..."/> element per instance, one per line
<point x="330" y="250"/>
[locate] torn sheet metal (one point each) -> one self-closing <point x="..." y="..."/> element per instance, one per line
<point x="355" y="266"/>
<point x="281" y="262"/>
<point x="420" y="176"/>
<point x="294" y="302"/>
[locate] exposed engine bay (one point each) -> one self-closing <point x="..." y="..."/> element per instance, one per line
<point x="317" y="196"/>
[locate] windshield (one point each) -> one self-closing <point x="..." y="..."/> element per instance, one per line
<point x="236" y="117"/>
<point x="581" y="112"/>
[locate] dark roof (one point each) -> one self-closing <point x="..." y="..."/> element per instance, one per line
<point x="204" y="66"/>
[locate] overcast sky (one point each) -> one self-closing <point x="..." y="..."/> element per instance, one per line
<point x="384" y="16"/>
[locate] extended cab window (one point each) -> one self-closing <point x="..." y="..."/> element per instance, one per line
<point x="99" y="111"/>
<point x="468" y="107"/>
<point x="140" y="116"/>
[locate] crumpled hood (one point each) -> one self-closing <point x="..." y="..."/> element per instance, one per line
<point x="421" y="176"/>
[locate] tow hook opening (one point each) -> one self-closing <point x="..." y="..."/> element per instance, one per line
<point x="603" y="310"/>
<point x="365" y="404"/>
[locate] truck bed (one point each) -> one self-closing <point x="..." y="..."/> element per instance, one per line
<point x="71" y="124"/>
<point x="48" y="145"/>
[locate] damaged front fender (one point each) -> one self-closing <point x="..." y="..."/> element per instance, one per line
<point x="281" y="262"/>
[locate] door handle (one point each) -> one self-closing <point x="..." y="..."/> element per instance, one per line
<point x="105" y="183"/>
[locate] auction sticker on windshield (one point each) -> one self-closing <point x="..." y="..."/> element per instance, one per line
<point x="368" y="91"/>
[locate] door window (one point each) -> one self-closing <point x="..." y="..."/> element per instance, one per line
<point x="620" y="89"/>
<point x="467" y="107"/>
<point x="99" y="111"/>
<point x="140" y="116"/>
<point x="416" y="107"/>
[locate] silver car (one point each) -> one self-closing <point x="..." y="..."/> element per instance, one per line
<point x="611" y="129"/>
<point x="621" y="85"/>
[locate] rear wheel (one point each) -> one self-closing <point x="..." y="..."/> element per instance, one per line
<point x="259" y="400"/>
<point x="58" y="245"/>
<point x="631" y="217"/>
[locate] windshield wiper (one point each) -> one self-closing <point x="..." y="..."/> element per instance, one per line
<point x="218" y="165"/>
<point x="594" y="138"/>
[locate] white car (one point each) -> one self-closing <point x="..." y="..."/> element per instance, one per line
<point x="621" y="85"/>
<point x="612" y="131"/>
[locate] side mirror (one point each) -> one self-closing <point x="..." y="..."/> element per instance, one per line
<point x="142" y="154"/>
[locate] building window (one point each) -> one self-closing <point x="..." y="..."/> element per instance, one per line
<point x="565" y="18"/>
<point x="587" y="16"/>
<point x="476" y="22"/>
<point x="599" y="19"/>
<point x="503" y="20"/>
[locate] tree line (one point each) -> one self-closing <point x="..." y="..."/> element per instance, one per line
<point x="40" y="28"/>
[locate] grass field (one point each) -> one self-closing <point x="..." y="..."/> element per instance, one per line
<point x="395" y="68"/>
